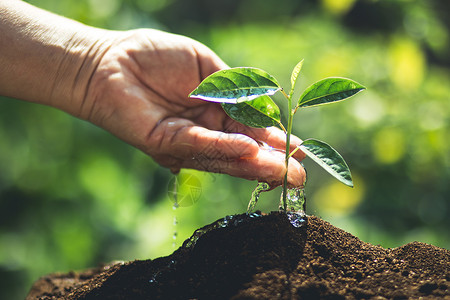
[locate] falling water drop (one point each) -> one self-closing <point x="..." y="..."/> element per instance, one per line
<point x="175" y="232"/>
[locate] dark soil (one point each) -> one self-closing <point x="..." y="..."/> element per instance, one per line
<point x="265" y="257"/>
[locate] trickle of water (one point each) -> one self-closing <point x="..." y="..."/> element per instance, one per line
<point x="295" y="206"/>
<point x="175" y="223"/>
<point x="174" y="208"/>
<point x="295" y="200"/>
<point x="261" y="187"/>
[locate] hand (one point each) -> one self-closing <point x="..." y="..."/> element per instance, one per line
<point x="135" y="84"/>
<point x="139" y="92"/>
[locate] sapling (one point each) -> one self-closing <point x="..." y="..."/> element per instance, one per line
<point x="244" y="94"/>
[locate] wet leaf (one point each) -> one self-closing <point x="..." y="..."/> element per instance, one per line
<point x="260" y="113"/>
<point x="236" y="85"/>
<point x="329" y="90"/>
<point x="329" y="159"/>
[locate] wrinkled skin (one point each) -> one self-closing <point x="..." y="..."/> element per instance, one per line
<point x="139" y="92"/>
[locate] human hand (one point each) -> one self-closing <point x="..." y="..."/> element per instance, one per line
<point x="135" y="84"/>
<point x="139" y="92"/>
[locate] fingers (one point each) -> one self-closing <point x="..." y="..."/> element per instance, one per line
<point x="185" y="141"/>
<point x="268" y="166"/>
<point x="197" y="141"/>
<point x="182" y="144"/>
<point x="272" y="136"/>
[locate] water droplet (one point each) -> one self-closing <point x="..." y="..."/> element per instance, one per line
<point x="175" y="232"/>
<point x="153" y="278"/>
<point x="296" y="219"/>
<point x="261" y="187"/>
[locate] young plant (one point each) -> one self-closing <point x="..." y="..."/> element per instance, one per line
<point x="244" y="94"/>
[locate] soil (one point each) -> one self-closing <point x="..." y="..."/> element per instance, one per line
<point x="265" y="257"/>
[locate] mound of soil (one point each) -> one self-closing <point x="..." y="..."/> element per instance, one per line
<point x="265" y="257"/>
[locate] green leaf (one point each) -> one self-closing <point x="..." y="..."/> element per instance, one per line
<point x="260" y="113"/>
<point x="328" y="158"/>
<point x="294" y="76"/>
<point x="329" y="90"/>
<point x="236" y="85"/>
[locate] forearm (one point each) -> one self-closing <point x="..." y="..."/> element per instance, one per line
<point x="46" y="58"/>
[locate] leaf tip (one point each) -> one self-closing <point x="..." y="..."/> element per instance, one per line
<point x="193" y="94"/>
<point x="348" y="181"/>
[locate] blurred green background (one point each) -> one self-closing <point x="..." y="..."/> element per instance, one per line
<point x="72" y="195"/>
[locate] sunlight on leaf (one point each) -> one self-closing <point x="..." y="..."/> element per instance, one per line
<point x="329" y="90"/>
<point x="328" y="158"/>
<point x="236" y="85"/>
